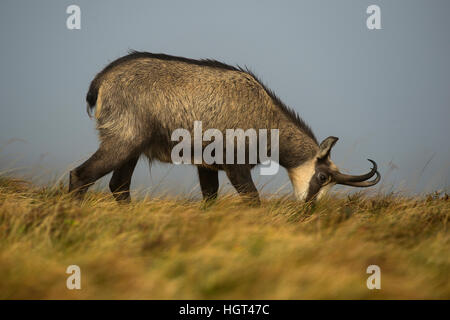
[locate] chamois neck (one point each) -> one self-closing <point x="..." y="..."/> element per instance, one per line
<point x="296" y="148"/>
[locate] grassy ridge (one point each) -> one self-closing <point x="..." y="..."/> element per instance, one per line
<point x="166" y="249"/>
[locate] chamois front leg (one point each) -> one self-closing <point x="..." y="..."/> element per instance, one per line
<point x="209" y="183"/>
<point x="241" y="179"/>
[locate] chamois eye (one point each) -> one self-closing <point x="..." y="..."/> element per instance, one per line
<point x="322" y="177"/>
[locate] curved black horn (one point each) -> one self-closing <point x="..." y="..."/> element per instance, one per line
<point x="364" y="184"/>
<point x="346" y="178"/>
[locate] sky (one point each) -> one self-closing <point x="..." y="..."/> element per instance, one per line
<point x="385" y="93"/>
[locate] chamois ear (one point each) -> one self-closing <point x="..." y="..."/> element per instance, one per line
<point x="325" y="147"/>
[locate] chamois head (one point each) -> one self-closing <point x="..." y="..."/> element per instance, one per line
<point x="313" y="178"/>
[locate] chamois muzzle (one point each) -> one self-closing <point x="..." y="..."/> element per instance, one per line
<point x="361" y="180"/>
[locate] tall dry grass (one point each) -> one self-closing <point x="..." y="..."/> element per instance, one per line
<point x="184" y="249"/>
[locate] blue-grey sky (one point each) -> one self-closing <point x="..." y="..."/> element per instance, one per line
<point x="385" y="93"/>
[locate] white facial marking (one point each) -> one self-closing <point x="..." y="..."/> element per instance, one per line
<point x="301" y="176"/>
<point x="324" y="190"/>
<point x="333" y="167"/>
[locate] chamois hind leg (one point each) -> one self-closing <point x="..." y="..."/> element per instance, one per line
<point x="241" y="179"/>
<point x="121" y="180"/>
<point x="209" y="182"/>
<point x="109" y="156"/>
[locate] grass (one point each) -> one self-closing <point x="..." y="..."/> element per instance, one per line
<point x="181" y="249"/>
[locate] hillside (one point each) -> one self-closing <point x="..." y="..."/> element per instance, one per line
<point x="169" y="249"/>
